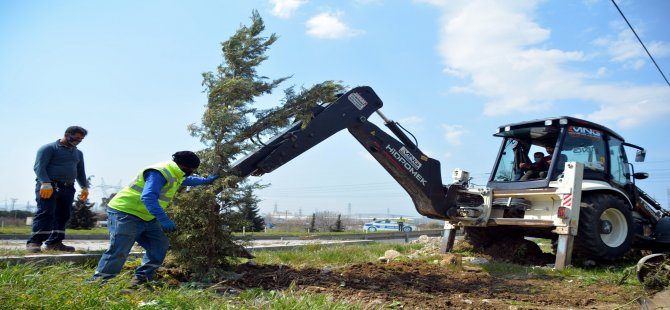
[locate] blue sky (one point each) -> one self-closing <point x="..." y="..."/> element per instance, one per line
<point x="449" y="71"/>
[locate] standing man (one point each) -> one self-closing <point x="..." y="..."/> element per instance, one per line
<point x="401" y="224"/>
<point x="136" y="214"/>
<point x="57" y="166"/>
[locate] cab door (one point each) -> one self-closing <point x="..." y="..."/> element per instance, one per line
<point x="587" y="146"/>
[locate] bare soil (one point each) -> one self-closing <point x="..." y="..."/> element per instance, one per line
<point x="442" y="284"/>
<point x="421" y="285"/>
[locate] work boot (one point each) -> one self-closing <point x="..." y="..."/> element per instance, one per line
<point x="137" y="282"/>
<point x="60" y="247"/>
<point x="34" y="247"/>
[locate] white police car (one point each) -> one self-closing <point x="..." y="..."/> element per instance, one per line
<point x="387" y="225"/>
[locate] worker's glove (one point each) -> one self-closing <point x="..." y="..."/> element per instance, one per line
<point x="83" y="196"/>
<point x="211" y="178"/>
<point x="166" y="223"/>
<point x="46" y="190"/>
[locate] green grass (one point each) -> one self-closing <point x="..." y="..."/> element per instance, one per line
<point x="620" y="273"/>
<point x="319" y="255"/>
<point x="64" y="286"/>
<point x="23" y="252"/>
<point x="27" y="230"/>
<point x="7" y="252"/>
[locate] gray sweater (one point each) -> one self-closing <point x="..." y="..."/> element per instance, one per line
<point x="56" y="162"/>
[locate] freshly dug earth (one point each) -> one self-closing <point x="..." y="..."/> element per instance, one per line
<point x="419" y="283"/>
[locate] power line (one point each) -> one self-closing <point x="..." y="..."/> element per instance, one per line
<point x="640" y="40"/>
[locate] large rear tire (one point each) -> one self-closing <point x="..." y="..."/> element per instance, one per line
<point x="605" y="228"/>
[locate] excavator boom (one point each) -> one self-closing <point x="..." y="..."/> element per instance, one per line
<point x="417" y="173"/>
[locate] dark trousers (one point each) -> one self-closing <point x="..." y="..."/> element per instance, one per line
<point x="52" y="214"/>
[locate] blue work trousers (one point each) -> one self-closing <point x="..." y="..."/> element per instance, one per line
<point x="124" y="230"/>
<point x="52" y="214"/>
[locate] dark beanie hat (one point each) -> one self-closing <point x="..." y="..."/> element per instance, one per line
<point x="186" y="159"/>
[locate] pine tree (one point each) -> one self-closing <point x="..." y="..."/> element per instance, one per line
<point x="312" y="224"/>
<point x="82" y="216"/>
<point x="205" y="215"/>
<point x="249" y="211"/>
<point x="338" y="224"/>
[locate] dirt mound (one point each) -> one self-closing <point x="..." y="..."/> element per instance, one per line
<point x="416" y="282"/>
<point x="516" y="251"/>
<point x="419" y="284"/>
<point x="513" y="250"/>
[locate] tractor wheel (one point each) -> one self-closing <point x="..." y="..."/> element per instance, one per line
<point x="372" y="229"/>
<point x="482" y="237"/>
<point x="605" y="228"/>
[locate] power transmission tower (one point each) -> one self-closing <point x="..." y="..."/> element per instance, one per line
<point x="14" y="203"/>
<point x="105" y="187"/>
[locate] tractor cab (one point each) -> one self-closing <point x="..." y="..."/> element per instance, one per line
<point x="557" y="141"/>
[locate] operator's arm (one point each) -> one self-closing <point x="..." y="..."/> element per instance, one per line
<point x="194" y="180"/>
<point x="545" y="163"/>
<point x="81" y="177"/>
<point x="153" y="182"/>
<point x="42" y="161"/>
<point x="81" y="172"/>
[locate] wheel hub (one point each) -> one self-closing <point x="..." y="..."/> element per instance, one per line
<point x="605" y="227"/>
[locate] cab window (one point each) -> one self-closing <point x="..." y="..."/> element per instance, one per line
<point x="507" y="170"/>
<point x="584" y="145"/>
<point x="618" y="162"/>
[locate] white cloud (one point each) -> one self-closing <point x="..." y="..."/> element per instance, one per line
<point x="659" y="49"/>
<point x="411" y="120"/>
<point x="285" y="8"/>
<point x="628" y="106"/>
<point x="626" y="49"/>
<point x="453" y="133"/>
<point x="498" y="48"/>
<point x="329" y="26"/>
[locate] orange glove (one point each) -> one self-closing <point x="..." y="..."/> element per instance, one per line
<point x="46" y="190"/>
<point x="84" y="194"/>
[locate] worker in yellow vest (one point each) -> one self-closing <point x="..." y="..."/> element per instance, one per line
<point x="136" y="214"/>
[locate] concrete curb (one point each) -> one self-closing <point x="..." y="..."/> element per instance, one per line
<point x="53" y="259"/>
<point x="81" y="258"/>
<point x="362" y="236"/>
<point x="67" y="237"/>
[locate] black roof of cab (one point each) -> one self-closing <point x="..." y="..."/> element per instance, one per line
<point x="555" y="121"/>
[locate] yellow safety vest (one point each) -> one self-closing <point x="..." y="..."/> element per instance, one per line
<point x="128" y="199"/>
